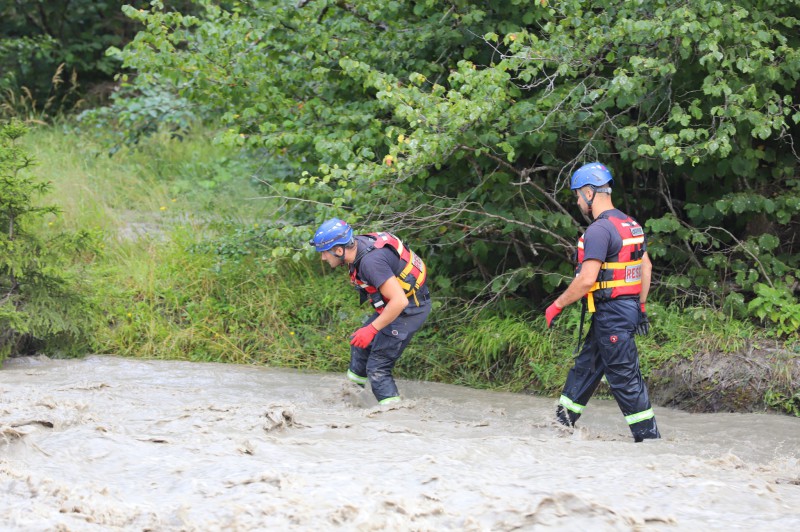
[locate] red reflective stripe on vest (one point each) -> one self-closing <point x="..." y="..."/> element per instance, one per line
<point x="624" y="268"/>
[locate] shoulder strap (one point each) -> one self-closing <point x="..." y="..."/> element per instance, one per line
<point x="363" y="250"/>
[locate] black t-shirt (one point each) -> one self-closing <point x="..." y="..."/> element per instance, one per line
<point x="602" y="240"/>
<point x="377" y="266"/>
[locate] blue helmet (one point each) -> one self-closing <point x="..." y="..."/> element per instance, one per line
<point x="594" y="174"/>
<point x="333" y="232"/>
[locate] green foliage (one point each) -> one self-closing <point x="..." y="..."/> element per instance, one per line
<point x="40" y="37"/>
<point x="682" y="332"/>
<point x="69" y="37"/>
<point x="137" y="114"/>
<point x="42" y="306"/>
<point x="783" y="401"/>
<point x="50" y="31"/>
<point x="777" y="305"/>
<point x="174" y="279"/>
<point x="458" y="125"/>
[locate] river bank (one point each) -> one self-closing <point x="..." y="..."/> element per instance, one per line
<point x="744" y="381"/>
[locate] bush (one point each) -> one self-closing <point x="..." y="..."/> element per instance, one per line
<point x="42" y="303"/>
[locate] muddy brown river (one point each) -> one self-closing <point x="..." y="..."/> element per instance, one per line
<point x="106" y="443"/>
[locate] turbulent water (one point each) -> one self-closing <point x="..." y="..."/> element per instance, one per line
<point x="106" y="443"/>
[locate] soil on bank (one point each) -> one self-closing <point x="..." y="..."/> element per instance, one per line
<point x="762" y="377"/>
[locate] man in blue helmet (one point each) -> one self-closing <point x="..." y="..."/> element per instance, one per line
<point x="613" y="279"/>
<point x="393" y="279"/>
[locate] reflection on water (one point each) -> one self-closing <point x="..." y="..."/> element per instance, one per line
<point x="109" y="443"/>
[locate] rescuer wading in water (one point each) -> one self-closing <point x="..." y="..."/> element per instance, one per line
<point x="393" y="279"/>
<point x="613" y="279"/>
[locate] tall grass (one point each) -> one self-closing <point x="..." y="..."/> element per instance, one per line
<point x="164" y="295"/>
<point x="21" y="104"/>
<point x="176" y="304"/>
<point x="94" y="191"/>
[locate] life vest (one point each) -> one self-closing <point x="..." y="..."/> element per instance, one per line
<point x="621" y="274"/>
<point x="411" y="278"/>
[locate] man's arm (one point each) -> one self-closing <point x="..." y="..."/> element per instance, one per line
<point x="647" y="274"/>
<point x="397" y="302"/>
<point x="580" y="286"/>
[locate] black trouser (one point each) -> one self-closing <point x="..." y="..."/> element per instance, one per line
<point x="377" y="361"/>
<point x="609" y="349"/>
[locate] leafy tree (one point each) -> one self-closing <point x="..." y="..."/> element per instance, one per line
<point x="458" y="124"/>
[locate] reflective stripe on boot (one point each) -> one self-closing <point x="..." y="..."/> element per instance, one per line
<point x="389" y="400"/>
<point x="358" y="379"/>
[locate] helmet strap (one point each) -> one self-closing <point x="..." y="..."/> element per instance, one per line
<point x="341" y="258"/>
<point x="606" y="190"/>
<point x="587" y="200"/>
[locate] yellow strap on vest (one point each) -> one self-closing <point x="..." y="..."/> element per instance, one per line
<point x="619" y="265"/>
<point x="601" y="285"/>
<point x="411" y="291"/>
<point x="403" y="274"/>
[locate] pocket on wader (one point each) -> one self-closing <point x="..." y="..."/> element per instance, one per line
<point x="395" y="332"/>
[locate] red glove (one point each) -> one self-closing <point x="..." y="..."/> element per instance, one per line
<point x="551" y="313"/>
<point x="642" y="305"/>
<point x="364" y="336"/>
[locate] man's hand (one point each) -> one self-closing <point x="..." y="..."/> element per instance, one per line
<point x="364" y="336"/>
<point x="643" y="327"/>
<point x="551" y="313"/>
